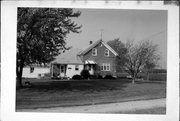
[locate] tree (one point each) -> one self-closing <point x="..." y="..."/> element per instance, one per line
<point x="85" y="74"/>
<point x="140" y="56"/>
<point x="121" y="49"/>
<point x="41" y="35"/>
<point x="148" y="67"/>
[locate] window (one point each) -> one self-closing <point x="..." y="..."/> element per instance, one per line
<point x="94" y="52"/>
<point x="76" y="67"/>
<point x="31" y="69"/>
<point x="105" y="67"/>
<point x="102" y="68"/>
<point x="106" y="52"/>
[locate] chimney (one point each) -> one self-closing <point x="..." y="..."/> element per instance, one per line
<point x="90" y="42"/>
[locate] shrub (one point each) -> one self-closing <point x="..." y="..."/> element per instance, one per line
<point x="109" y="77"/>
<point x="76" y="77"/>
<point x="99" y="76"/>
<point x="85" y="74"/>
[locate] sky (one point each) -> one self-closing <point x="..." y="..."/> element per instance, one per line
<point x="137" y="25"/>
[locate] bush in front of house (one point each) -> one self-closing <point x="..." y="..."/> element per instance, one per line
<point x="85" y="74"/>
<point x="75" y="77"/>
<point x="109" y="77"/>
<point x="99" y="76"/>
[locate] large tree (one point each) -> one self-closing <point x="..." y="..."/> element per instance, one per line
<point x="121" y="49"/>
<point x="140" y="56"/>
<point x="41" y="35"/>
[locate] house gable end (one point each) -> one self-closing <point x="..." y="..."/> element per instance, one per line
<point x="110" y="49"/>
<point x="95" y="45"/>
<point x="90" y="47"/>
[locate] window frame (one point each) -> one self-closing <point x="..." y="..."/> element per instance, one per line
<point x="94" y="52"/>
<point x="105" y="67"/>
<point x="106" y="51"/>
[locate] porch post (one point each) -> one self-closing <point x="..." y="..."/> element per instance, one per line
<point x="60" y="70"/>
<point x="65" y="70"/>
<point x="92" y="69"/>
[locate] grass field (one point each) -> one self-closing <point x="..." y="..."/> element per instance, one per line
<point x="54" y="93"/>
<point x="152" y="76"/>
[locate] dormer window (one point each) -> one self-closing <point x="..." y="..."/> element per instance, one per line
<point x="106" y="52"/>
<point x="94" y="52"/>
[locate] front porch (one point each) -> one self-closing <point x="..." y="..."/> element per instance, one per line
<point x="62" y="71"/>
<point x="58" y="71"/>
<point x="91" y="66"/>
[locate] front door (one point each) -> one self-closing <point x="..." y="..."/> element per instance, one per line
<point x="62" y="70"/>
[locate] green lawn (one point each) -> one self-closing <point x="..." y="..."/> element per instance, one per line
<point x="53" y="93"/>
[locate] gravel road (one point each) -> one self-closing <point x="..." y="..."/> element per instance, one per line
<point x="104" y="108"/>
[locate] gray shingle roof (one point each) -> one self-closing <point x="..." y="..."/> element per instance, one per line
<point x="69" y="57"/>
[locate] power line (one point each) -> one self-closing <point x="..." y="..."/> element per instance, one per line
<point x="154" y="35"/>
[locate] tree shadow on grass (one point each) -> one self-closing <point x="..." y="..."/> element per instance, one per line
<point x="83" y="85"/>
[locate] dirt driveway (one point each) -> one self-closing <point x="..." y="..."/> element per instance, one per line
<point x="105" y="108"/>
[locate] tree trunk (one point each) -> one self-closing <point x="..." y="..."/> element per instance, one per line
<point x="19" y="82"/>
<point x="133" y="80"/>
<point x="19" y="71"/>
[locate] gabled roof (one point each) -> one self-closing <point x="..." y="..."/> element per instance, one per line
<point x="95" y="44"/>
<point x="69" y="57"/>
<point x="110" y="48"/>
<point x="90" y="47"/>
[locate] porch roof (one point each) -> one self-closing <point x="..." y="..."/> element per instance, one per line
<point x="89" y="62"/>
<point x="69" y="57"/>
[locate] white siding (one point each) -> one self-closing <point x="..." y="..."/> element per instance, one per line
<point x="35" y="74"/>
<point x="71" y="70"/>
